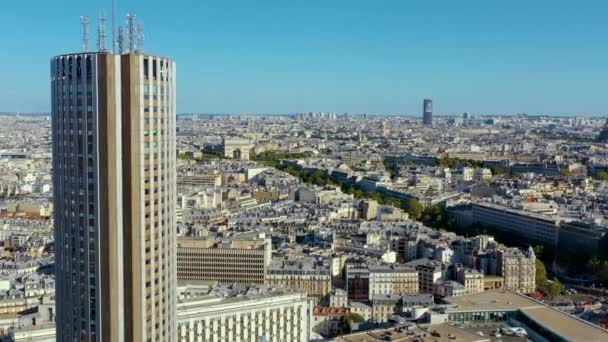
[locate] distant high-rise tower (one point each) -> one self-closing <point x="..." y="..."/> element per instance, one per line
<point x="603" y="137"/>
<point x="114" y="194"/>
<point x="427" y="112"/>
<point x="384" y="128"/>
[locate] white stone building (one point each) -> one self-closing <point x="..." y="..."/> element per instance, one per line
<point x="391" y="279"/>
<point x="259" y="314"/>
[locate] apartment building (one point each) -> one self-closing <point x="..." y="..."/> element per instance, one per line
<point x="245" y="314"/>
<point x="472" y="280"/>
<point x="240" y="260"/>
<point x="392" y="279"/>
<point x="518" y="269"/>
<point x="305" y="274"/>
<point x="429" y="272"/>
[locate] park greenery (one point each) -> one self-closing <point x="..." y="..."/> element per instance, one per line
<point x="437" y="218"/>
<point x="204" y="155"/>
<point x="569" y="138"/>
<point x="432" y="216"/>
<point x="497" y="170"/>
<point x="452" y="162"/>
<point x="602" y="175"/>
<point x="543" y="284"/>
<point x="184" y="156"/>
<point x="273" y="158"/>
<point x="599" y="268"/>
<point x="348" y="319"/>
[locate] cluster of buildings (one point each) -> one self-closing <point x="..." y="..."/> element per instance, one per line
<point x="353" y="256"/>
<point x="25" y="165"/>
<point x="175" y="229"/>
<point x="260" y="254"/>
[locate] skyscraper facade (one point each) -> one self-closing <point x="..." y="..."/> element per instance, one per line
<point x="427" y="112"/>
<point x="114" y="194"/>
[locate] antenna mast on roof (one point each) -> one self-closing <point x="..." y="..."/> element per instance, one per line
<point x="84" y="20"/>
<point x="132" y="32"/>
<point x="122" y="48"/>
<point x="140" y="37"/>
<point x="101" y="33"/>
<point x="113" y="26"/>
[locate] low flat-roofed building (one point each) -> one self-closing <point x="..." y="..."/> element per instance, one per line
<point x="579" y="238"/>
<point x="211" y="179"/>
<point x="36" y="333"/>
<point x="448" y="288"/>
<point x="540" y="228"/>
<point x="504" y="305"/>
<point x="420" y="333"/>
<point x="492" y="282"/>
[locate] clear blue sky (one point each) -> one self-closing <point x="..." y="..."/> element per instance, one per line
<point x="374" y="56"/>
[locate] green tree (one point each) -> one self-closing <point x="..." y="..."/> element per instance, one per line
<point x="602" y="175"/>
<point x="538" y="251"/>
<point x="183" y="156"/>
<point x="541" y="276"/>
<point x="355" y="317"/>
<point x="594" y="264"/>
<point x="414" y="209"/>
<point x="599" y="268"/>
<point x="497" y="170"/>
<point x="432" y="216"/>
<point x="345" y="324"/>
<point x="555" y="288"/>
<point x="446" y="162"/>
<point x="347" y="320"/>
<point x="358" y="193"/>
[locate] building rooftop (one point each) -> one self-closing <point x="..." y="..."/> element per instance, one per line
<point x="330" y="311"/>
<point x="390" y="268"/>
<point x="421" y="333"/>
<point x="208" y="297"/>
<point x="560" y="323"/>
<point x="245" y="242"/>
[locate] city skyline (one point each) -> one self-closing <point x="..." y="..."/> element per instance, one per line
<point x="345" y="57"/>
<point x="341" y="213"/>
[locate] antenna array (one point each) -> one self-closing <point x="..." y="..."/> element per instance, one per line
<point x="85" y="33"/>
<point x="121" y="40"/>
<point x="131" y="38"/>
<point x="140" y="36"/>
<point x="126" y="39"/>
<point x="132" y="31"/>
<point x="101" y="33"/>
<point x="113" y="26"/>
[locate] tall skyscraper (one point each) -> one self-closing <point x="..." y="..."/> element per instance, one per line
<point x="603" y="137"/>
<point x="427" y="112"/>
<point x="114" y="194"/>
